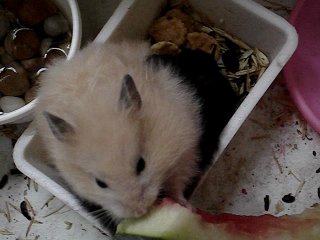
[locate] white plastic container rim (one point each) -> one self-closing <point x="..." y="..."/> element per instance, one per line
<point x="24" y="113"/>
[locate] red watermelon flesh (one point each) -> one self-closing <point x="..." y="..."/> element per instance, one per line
<point x="171" y="221"/>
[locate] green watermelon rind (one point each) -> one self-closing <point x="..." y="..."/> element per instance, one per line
<point x="171" y="221"/>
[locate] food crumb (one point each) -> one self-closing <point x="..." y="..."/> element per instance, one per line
<point x="69" y="225"/>
<point x="165" y="48"/>
<point x="288" y="198"/>
<point x="169" y="29"/>
<point x="201" y="41"/>
<point x="266" y="203"/>
<point x="244" y="191"/>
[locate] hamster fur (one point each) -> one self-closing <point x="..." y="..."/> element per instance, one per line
<point x="218" y="100"/>
<point x="103" y="111"/>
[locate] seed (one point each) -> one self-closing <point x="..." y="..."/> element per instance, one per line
<point x="69" y="225"/>
<point x="24" y="210"/>
<point x="266" y="203"/>
<point x="288" y="198"/>
<point x="262" y="58"/>
<point x="5" y="232"/>
<point x="246" y="54"/>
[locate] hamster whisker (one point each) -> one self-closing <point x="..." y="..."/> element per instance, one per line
<point x="99" y="214"/>
<point x="106" y="219"/>
<point x="102" y="214"/>
<point x="98" y="211"/>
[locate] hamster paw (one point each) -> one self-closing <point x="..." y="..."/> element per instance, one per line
<point x="184" y="202"/>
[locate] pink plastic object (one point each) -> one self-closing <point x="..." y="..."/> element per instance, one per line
<point x="302" y="73"/>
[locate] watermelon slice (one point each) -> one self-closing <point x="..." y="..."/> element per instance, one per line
<point x="171" y="221"/>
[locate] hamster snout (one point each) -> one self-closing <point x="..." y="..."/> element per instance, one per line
<point x="135" y="203"/>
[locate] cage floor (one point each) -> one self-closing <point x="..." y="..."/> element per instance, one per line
<point x="275" y="153"/>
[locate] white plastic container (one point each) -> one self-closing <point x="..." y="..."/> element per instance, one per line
<point x="242" y="18"/>
<point x="71" y="10"/>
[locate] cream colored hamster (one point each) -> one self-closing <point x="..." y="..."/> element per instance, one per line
<point x="119" y="130"/>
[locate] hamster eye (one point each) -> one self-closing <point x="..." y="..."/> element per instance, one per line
<point x="101" y="183"/>
<point x="140" y="166"/>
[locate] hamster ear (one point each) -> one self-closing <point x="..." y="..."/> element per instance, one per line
<point x="129" y="95"/>
<point x="59" y="127"/>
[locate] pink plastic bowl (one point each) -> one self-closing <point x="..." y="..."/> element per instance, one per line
<point x="302" y="73"/>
